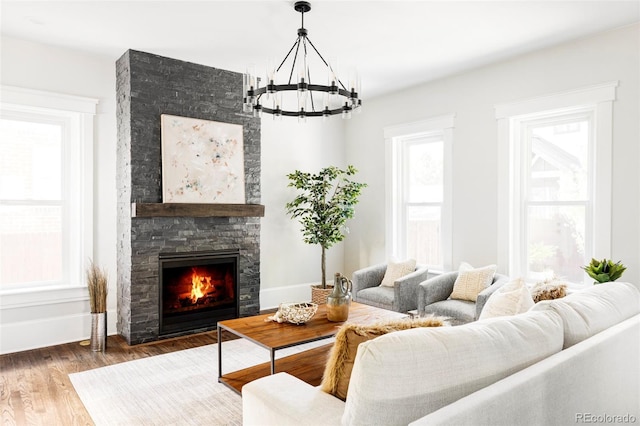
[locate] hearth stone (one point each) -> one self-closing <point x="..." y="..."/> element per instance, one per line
<point x="147" y="86"/>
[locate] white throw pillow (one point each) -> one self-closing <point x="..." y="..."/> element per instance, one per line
<point x="397" y="270"/>
<point x="511" y="299"/>
<point x="471" y="281"/>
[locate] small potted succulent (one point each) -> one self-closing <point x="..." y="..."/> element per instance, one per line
<point x="604" y="270"/>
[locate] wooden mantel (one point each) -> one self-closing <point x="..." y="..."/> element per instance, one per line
<point x="196" y="210"/>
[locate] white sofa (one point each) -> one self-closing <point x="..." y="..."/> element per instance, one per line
<point x="566" y="361"/>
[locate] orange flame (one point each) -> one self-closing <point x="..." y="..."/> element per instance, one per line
<point x="199" y="285"/>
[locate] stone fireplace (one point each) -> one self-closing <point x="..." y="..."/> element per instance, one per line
<point x="153" y="236"/>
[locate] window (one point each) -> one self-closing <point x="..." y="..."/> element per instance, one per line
<point x="45" y="189"/>
<point x="419" y="191"/>
<point x="556" y="199"/>
<point x="31" y="204"/>
<point x="556" y="188"/>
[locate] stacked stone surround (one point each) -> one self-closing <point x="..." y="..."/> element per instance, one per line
<point x="148" y="86"/>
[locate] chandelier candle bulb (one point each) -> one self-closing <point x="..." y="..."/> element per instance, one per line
<point x="257" y="110"/>
<point x="271" y="77"/>
<point x="277" y="111"/>
<point x="251" y="71"/>
<point x="302" y="100"/>
<point x="247" y="104"/>
<point x="302" y="85"/>
<point x="302" y="74"/>
<point x="326" y="113"/>
<point x="333" y="76"/>
<point x="333" y="88"/>
<point x="358" y="110"/>
<point x="346" y="111"/>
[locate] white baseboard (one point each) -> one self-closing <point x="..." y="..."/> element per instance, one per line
<point x="56" y="330"/>
<point x="40" y="333"/>
<point x="272" y="297"/>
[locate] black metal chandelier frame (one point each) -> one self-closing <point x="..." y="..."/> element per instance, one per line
<point x="253" y="94"/>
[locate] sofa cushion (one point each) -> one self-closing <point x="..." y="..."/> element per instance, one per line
<point x="396" y="270"/>
<point x="459" y="311"/>
<point x="471" y="281"/>
<point x="377" y="296"/>
<point x="337" y="373"/>
<point x="400" y="377"/>
<point x="284" y="400"/>
<point x="511" y="299"/>
<point x="590" y="311"/>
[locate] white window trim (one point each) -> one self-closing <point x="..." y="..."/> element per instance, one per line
<point x="444" y="124"/>
<point x="79" y="113"/>
<point x="600" y="97"/>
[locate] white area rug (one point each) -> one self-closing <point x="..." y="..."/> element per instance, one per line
<point x="179" y="388"/>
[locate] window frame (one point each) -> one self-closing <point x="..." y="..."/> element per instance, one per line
<point x="395" y="194"/>
<point x="596" y="100"/>
<point x="76" y="115"/>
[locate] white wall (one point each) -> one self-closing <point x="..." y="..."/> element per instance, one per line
<point x="288" y="266"/>
<point x="471" y="96"/>
<point x="36" y="66"/>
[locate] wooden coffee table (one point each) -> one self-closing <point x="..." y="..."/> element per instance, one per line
<point x="307" y="365"/>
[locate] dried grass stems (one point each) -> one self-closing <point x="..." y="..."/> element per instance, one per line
<point x="98" y="289"/>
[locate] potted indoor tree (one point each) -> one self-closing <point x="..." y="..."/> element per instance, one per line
<point x="604" y="270"/>
<point x="323" y="205"/>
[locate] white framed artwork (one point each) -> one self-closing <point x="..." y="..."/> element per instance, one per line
<point x="202" y="161"/>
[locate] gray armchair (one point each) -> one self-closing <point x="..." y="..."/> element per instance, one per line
<point x="433" y="298"/>
<point x="402" y="297"/>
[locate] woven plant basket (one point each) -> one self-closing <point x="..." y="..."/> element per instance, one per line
<point x="319" y="294"/>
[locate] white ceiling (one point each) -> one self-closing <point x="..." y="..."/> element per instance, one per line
<point x="392" y="44"/>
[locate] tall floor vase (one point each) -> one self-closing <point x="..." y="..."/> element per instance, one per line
<point x="99" y="332"/>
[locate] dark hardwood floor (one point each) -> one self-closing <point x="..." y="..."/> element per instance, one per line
<point x="35" y="388"/>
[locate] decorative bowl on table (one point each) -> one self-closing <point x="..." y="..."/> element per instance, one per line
<point x="298" y="313"/>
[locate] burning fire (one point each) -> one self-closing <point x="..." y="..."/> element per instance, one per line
<point x="200" y="285"/>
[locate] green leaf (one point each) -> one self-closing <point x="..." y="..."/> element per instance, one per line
<point x="605" y="270"/>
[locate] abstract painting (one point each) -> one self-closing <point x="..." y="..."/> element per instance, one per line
<point x="202" y="161"/>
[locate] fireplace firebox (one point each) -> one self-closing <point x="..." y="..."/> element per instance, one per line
<point x="197" y="289"/>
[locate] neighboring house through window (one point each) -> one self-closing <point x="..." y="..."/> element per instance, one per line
<point x="419" y="191"/>
<point x="555" y="190"/>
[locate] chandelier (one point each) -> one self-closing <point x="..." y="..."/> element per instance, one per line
<point x="282" y="96"/>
